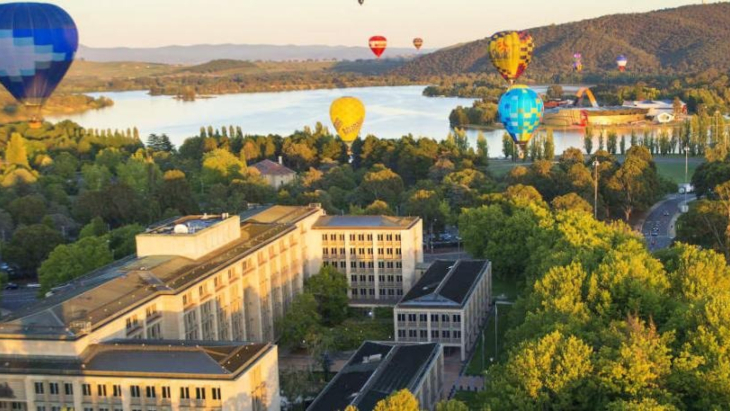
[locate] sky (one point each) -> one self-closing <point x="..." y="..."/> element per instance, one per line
<point x="153" y="23"/>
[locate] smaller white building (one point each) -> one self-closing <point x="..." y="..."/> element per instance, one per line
<point x="661" y="111"/>
<point x="275" y="174"/>
<point x="448" y="305"/>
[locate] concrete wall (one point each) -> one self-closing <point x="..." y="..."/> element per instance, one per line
<point x="191" y="246"/>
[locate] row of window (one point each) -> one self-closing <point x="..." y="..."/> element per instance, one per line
<point x="445" y="318"/>
<point x="381" y="278"/>
<point x="361" y="237"/>
<point x="365" y="264"/>
<point x="370" y="292"/>
<point x="334" y="251"/>
<point x="435" y="334"/>
<point x="218" y="282"/>
<point x="135" y="391"/>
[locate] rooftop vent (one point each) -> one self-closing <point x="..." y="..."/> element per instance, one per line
<point x="372" y="358"/>
<point x="181" y="229"/>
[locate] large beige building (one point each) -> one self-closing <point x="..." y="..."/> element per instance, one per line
<point x="448" y="305"/>
<point x="210" y="278"/>
<point x="379" y="254"/>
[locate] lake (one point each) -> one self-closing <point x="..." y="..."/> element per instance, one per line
<point x="391" y="113"/>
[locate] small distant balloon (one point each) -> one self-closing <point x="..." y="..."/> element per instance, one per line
<point x="361" y="2"/>
<point x="38" y="43"/>
<point x="378" y="44"/>
<point x="520" y="111"/>
<point x="511" y="53"/>
<point x="347" y="115"/>
<point x="418" y="43"/>
<point x="621" y="62"/>
<point x="578" y="62"/>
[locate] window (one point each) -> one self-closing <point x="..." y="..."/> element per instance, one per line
<point x="397" y="251"/>
<point x="132" y="322"/>
<point x="389" y="237"/>
<point x="361" y="237"/>
<point x="324" y="237"/>
<point x="370" y="237"/>
<point x="412" y="317"/>
<point x="434" y="334"/>
<point x="116" y="390"/>
<point x="68" y="389"/>
<point x="447" y="334"/>
<point x="53" y="388"/>
<point x="39" y="388"/>
<point x="397" y="237"/>
<point x="342" y="237"/>
<point x="216" y="393"/>
<point x="360" y="251"/>
<point x="389" y="251"/>
<point x="457" y="318"/>
<point x="187" y="299"/>
<point x="363" y="291"/>
<point x="362" y="278"/>
<point x="370" y="251"/>
<point x="381" y="278"/>
<point x="325" y="251"/>
<point x="343" y="263"/>
<point x="390" y="264"/>
<point x="445" y="318"/>
<point x="353" y="278"/>
<point x="200" y="393"/>
<point x="342" y="251"/>
<point x="333" y="237"/>
<point x="434" y="318"/>
<point x="362" y="265"/>
<point x="231" y="273"/>
<point x="399" y="292"/>
<point x="424" y="334"/>
<point x="40" y="408"/>
<point x="371" y="292"/>
<point x="371" y="278"/>
<point x="333" y="251"/>
<point x="135" y="391"/>
<point x="371" y="265"/>
<point x="165" y="392"/>
<point x="390" y="278"/>
<point x="422" y="318"/>
<point x="352" y="237"/>
<point x="457" y="334"/>
<point x="380" y="251"/>
<point x="86" y="389"/>
<point x="381" y="292"/>
<point x="184" y="393"/>
<point x="412" y="333"/>
<point x="101" y="390"/>
<point x="399" y="278"/>
<point x="151" y="393"/>
<point x="202" y="291"/>
<point x="380" y="237"/>
<point x="154" y="332"/>
<point x="402" y="333"/>
<point x="398" y="264"/>
<point x="381" y="264"/>
<point x="216" y="282"/>
<point x="352" y="250"/>
<point x="353" y="264"/>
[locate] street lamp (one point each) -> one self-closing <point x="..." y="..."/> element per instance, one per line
<point x="686" y="173"/>
<point x="596" y="163"/>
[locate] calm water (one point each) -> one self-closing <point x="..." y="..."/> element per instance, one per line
<point x="392" y="112"/>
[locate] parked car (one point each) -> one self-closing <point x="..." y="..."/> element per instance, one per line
<point x="11" y="286"/>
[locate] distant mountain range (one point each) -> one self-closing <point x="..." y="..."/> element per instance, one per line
<point x="202" y="53"/>
<point x="680" y="40"/>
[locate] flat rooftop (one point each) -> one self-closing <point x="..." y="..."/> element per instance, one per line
<point x="190" y="224"/>
<point x="111" y="291"/>
<point x="447" y="283"/>
<point x="277" y="214"/>
<point x="365" y="221"/>
<point x="375" y="371"/>
<point x="153" y="358"/>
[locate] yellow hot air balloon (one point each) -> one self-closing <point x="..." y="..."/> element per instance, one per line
<point x="348" y="115"/>
<point x="511" y="52"/>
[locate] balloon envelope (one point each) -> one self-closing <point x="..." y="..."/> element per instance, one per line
<point x="378" y="44"/>
<point x="418" y="42"/>
<point x="520" y="111"/>
<point x="348" y="115"/>
<point x="511" y="53"/>
<point x="621" y="62"/>
<point x="37" y="46"/>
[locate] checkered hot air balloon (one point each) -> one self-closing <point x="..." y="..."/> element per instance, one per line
<point x="38" y="43"/>
<point x="511" y="52"/>
<point x="520" y="111"/>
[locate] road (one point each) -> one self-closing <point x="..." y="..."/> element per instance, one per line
<point x="12" y="300"/>
<point x="663" y="218"/>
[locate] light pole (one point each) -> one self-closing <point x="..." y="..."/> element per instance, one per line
<point x="596" y="163"/>
<point x="686" y="173"/>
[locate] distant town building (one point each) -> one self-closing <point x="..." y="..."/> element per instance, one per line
<point x="275" y="174"/>
<point x="661" y="111"/>
<point x="196" y="280"/>
<point x="378" y="369"/>
<point x="449" y="304"/>
<point x="379" y="254"/>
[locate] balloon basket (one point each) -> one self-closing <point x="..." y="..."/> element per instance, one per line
<point x="35" y="124"/>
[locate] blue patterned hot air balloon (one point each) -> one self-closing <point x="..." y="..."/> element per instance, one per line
<point x="520" y="111"/>
<point x="37" y="46"/>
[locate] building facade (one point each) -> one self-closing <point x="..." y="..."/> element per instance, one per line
<point x="378" y="369"/>
<point x="275" y="174"/>
<point x="379" y="254"/>
<point x="448" y="305"/>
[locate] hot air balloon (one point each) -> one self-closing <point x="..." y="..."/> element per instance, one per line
<point x="621" y="62"/>
<point x="378" y="44"/>
<point x="348" y="115"/>
<point x="511" y="52"/>
<point x="520" y="111"/>
<point x="578" y="62"/>
<point x="361" y="2"/>
<point x="418" y="42"/>
<point x="37" y="46"/>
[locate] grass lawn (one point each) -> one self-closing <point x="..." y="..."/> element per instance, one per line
<point x="673" y="167"/>
<point x="500" y="168"/>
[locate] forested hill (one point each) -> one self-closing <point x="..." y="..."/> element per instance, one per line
<point x="684" y="39"/>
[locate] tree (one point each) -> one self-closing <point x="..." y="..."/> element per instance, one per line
<point x="68" y="261"/>
<point x="16" y="154"/>
<point x="549" y="146"/>
<point x="381" y="183"/>
<point x="451" y="405"/>
<point x="329" y="288"/>
<point x="300" y="326"/>
<point x="635" y="184"/>
<point x="122" y="241"/>
<point x="96" y="228"/>
<point x="31" y="245"/>
<point x="588" y="142"/>
<point x="176" y="193"/>
<point x="221" y="166"/>
<point x="29" y="209"/>
<point x="482" y="149"/>
<point x="571" y="202"/>
<point x="555" y="92"/>
<point x="378" y="207"/>
<point x="508" y="146"/>
<point x="401" y="400"/>
<point x="704" y="224"/>
<point x="623" y="145"/>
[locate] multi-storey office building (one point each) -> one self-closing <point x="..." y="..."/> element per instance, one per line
<point x="379" y="254"/>
<point x="152" y="375"/>
<point x="377" y="370"/>
<point x="449" y="304"/>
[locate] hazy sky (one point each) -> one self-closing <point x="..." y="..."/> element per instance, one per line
<point x="149" y="23"/>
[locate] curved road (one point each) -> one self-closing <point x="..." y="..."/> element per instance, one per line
<point x="658" y="229"/>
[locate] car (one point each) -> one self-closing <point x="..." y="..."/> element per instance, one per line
<point x="666" y="214"/>
<point x="11" y="286"/>
<point x="655" y="233"/>
<point x="33" y="285"/>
